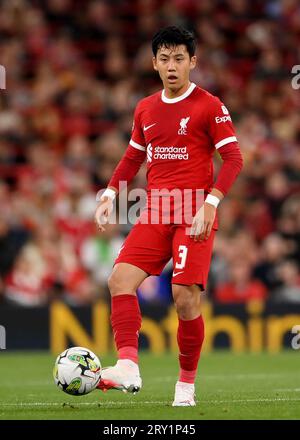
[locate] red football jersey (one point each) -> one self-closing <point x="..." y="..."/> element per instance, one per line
<point x="179" y="137"/>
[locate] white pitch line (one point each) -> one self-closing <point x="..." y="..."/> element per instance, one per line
<point x="147" y="402"/>
<point x="279" y="399"/>
<point x="250" y="375"/>
<point x="80" y="403"/>
<point x="288" y="390"/>
<point x="230" y="376"/>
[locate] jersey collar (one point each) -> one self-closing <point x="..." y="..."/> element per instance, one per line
<point x="178" y="98"/>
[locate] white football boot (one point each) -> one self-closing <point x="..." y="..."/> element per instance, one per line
<point x="124" y="376"/>
<point x="184" y="394"/>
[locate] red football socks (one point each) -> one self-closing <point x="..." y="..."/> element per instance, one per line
<point x="190" y="337"/>
<point x="126" y="322"/>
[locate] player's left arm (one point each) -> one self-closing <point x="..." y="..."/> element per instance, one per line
<point x="223" y="136"/>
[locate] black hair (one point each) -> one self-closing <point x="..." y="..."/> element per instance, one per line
<point x="171" y="36"/>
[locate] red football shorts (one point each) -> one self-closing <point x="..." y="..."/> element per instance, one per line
<point x="150" y="247"/>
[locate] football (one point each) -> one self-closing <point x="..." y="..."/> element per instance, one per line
<point x="77" y="371"/>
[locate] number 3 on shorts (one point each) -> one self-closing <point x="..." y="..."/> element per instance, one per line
<point x="182" y="253"/>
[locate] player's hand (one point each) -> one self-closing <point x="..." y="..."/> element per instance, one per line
<point x="103" y="212"/>
<point x="203" y="222"/>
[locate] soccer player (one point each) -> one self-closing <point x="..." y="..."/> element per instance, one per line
<point x="178" y="130"/>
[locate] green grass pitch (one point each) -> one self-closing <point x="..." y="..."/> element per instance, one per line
<point x="229" y="386"/>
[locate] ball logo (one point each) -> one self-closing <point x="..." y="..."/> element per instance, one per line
<point x="74" y="386"/>
<point x="78" y="358"/>
<point x="93" y="366"/>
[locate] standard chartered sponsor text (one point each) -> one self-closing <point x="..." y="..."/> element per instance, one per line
<point x="170" y="152"/>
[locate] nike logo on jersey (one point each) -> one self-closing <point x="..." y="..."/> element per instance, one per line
<point x="148" y="126"/>
<point x="177" y="273"/>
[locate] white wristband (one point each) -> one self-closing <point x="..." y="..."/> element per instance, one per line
<point x="110" y="193"/>
<point x="212" y="200"/>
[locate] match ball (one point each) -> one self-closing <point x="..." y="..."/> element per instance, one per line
<point x="77" y="371"/>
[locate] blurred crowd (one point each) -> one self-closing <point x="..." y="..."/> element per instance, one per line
<point x="75" y="70"/>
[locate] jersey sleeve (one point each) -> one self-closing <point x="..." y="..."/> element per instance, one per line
<point x="134" y="155"/>
<point x="220" y="127"/>
<point x="137" y="136"/>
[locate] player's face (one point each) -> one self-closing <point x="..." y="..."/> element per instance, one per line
<point x="173" y="65"/>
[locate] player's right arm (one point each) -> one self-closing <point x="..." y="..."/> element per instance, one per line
<point x="127" y="168"/>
